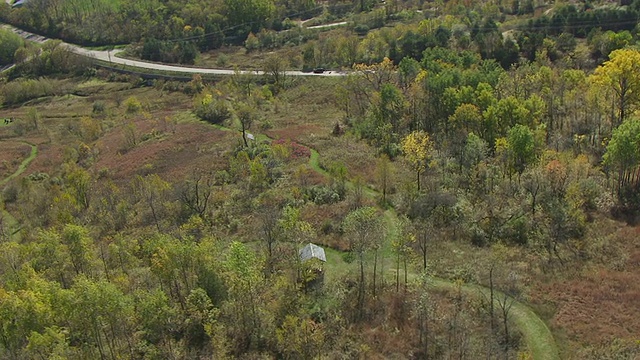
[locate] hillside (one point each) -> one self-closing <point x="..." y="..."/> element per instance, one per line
<point x="475" y="192"/>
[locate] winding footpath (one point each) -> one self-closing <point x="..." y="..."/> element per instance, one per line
<point x="537" y="336"/>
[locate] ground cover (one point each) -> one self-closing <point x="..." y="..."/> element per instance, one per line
<point x="171" y="142"/>
<point x="11" y="157"/>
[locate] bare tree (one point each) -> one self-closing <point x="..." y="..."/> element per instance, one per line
<point x="246" y="115"/>
<point x="196" y="192"/>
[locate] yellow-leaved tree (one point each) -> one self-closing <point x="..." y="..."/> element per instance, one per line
<point x="621" y="75"/>
<point x="417" y="148"/>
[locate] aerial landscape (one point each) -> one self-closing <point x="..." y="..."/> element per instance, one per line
<point x="307" y="179"/>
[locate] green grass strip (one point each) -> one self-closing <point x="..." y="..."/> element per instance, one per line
<point x="23" y="164"/>
<point x="536" y="334"/>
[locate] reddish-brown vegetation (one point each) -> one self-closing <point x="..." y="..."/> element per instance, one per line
<point x="172" y="155"/>
<point x="11" y="155"/>
<point x="599" y="303"/>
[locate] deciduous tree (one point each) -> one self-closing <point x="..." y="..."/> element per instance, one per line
<point x="621" y="74"/>
<point x="417" y="148"/>
<point x="623" y="153"/>
<point x="363" y="228"/>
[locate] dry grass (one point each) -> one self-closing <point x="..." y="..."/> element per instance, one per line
<point x="172" y="155"/>
<point x="11" y="156"/>
<point x="597" y="303"/>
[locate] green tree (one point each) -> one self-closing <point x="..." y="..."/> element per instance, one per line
<point x="156" y="315"/>
<point x="506" y="113"/>
<point x="243" y="279"/>
<point x="249" y="15"/>
<point x="52" y="343"/>
<point x="521" y="144"/>
<point x="200" y="313"/>
<point x="401" y="246"/>
<point x="467" y="117"/>
<point x="300" y="338"/>
<point x="196" y="192"/>
<point x="100" y="314"/>
<point x="78" y="181"/>
<point x="50" y="257"/>
<point x="22" y="312"/>
<point x="80" y="246"/>
<point x="275" y="71"/>
<point x="296" y="231"/>
<point x="623" y="154"/>
<point x="363" y="228"/>
<point x="384" y="175"/>
<point x="9" y="44"/>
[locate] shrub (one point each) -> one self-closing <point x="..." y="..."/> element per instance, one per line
<point x="327" y="227"/>
<point x="348" y="257"/>
<point x="322" y="194"/>
<point x="222" y="60"/>
<point x="212" y="110"/>
<point x="266" y="125"/>
<point x="10" y="193"/>
<point x="133" y="105"/>
<point x="361" y="29"/>
<point x="98" y="107"/>
<point x="297" y="151"/>
<point x="38" y="176"/>
<point x="252" y="42"/>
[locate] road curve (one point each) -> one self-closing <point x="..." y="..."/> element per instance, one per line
<point x="110" y="57"/>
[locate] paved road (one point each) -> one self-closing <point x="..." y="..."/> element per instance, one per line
<point x="326" y="26"/>
<point x="110" y="56"/>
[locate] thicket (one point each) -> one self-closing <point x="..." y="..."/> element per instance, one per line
<point x="9" y="44"/>
<point x="111" y="22"/>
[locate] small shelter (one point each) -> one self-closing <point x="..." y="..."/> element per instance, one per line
<point x="311" y="273"/>
<point x="312" y="251"/>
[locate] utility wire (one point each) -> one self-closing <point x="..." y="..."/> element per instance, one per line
<point x="194" y="37"/>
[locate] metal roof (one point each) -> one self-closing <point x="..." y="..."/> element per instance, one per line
<point x="312" y="251"/>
